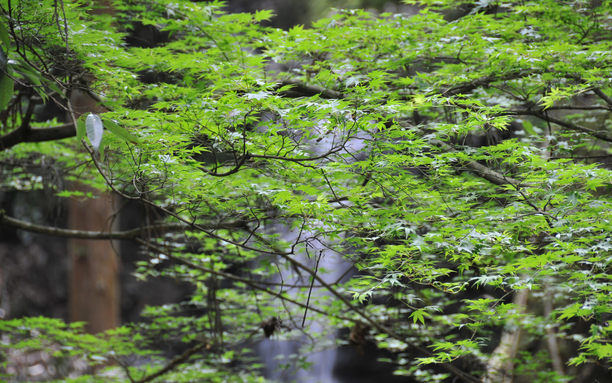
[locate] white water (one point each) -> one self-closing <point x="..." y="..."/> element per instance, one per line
<point x="274" y="351"/>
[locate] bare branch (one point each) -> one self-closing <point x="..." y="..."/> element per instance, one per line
<point x="602" y="135"/>
<point x="20" y="135"/>
<point x="480" y="82"/>
<point x="483" y="171"/>
<point x="173" y="363"/>
<point x="127" y="234"/>
<point x="603" y="96"/>
<point x="312" y="90"/>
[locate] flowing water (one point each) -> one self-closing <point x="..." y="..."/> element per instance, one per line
<point x="275" y="352"/>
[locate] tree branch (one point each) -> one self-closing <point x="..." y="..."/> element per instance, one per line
<point x="483" y="81"/>
<point x="20" y="135"/>
<point x="483" y="171"/>
<point x="173" y="363"/>
<point x="127" y="234"/>
<point x="312" y="90"/>
<point x="603" y="96"/>
<point x="605" y="136"/>
<point x="602" y="135"/>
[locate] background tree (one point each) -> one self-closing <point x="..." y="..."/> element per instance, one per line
<point x="460" y="166"/>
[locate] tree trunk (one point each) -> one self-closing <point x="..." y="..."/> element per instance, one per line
<point x="500" y="368"/>
<point x="94" y="287"/>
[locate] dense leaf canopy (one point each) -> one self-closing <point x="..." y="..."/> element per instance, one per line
<point x="461" y="166"/>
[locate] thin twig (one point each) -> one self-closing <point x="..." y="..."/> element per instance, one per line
<point x="310" y="290"/>
<point x="173" y="363"/>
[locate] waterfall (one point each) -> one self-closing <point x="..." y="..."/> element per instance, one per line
<point x="271" y="350"/>
<point x="317" y="253"/>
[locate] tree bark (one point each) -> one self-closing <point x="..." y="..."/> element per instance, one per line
<point x="94" y="285"/>
<point x="500" y="368"/>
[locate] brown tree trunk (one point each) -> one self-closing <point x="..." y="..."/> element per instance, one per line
<point x="94" y="278"/>
<point x="94" y="287"/>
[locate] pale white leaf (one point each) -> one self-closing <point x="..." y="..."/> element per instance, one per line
<point x="94" y="129"/>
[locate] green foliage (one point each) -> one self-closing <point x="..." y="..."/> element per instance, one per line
<point x="36" y="333"/>
<point x="361" y="144"/>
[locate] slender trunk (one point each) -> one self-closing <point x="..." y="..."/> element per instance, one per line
<point x="94" y="287"/>
<point x="94" y="281"/>
<point x="500" y="368"/>
<point x="551" y="336"/>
